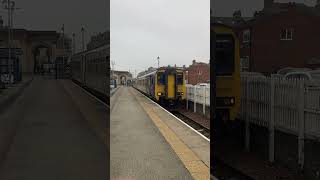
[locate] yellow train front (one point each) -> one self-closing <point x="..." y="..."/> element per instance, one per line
<point x="226" y="62"/>
<point x="166" y="85"/>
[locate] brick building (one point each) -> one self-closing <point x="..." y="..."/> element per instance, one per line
<point x="281" y="35"/>
<point x="99" y="40"/>
<point x="198" y="72"/>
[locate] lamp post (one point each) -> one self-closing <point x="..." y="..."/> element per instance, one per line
<point x="8" y="6"/>
<point x="9" y="40"/>
<point x="74" y="43"/>
<point x="63" y="51"/>
<point x="158" y="58"/>
<point x="82" y="32"/>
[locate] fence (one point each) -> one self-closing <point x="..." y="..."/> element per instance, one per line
<point x="198" y="94"/>
<point x="288" y="105"/>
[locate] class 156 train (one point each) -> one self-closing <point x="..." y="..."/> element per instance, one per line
<point x="226" y="61"/>
<point x="166" y="85"/>
<point x="91" y="70"/>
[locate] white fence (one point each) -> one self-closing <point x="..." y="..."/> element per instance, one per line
<point x="198" y="94"/>
<point x="291" y="106"/>
<point x="282" y="99"/>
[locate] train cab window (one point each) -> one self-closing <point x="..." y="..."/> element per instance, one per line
<point x="179" y="78"/>
<point x="225" y="48"/>
<point x="161" y="78"/>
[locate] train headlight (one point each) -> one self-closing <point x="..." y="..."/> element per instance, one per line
<point x="159" y="93"/>
<point x="227" y="101"/>
<point x="232" y="100"/>
<point x="181" y="93"/>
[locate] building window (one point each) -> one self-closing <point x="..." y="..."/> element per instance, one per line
<point x="246" y="36"/>
<point x="199" y="72"/>
<point x="286" y="34"/>
<point x="244" y="64"/>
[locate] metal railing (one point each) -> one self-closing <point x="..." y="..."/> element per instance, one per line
<point x="198" y="94"/>
<point x="287" y="105"/>
<point x="284" y="100"/>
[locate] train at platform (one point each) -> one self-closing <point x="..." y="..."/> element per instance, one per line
<point x="91" y="70"/>
<point x="166" y="85"/>
<point x="226" y="62"/>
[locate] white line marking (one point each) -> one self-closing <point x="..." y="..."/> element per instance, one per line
<point x="88" y="93"/>
<point x="213" y="178"/>
<point x="176" y="117"/>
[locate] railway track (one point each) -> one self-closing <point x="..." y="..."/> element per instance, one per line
<point x="195" y="125"/>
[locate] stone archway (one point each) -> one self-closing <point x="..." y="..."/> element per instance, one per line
<point x="42" y="54"/>
<point x="123" y="79"/>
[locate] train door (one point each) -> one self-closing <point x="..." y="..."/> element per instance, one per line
<point x="150" y="85"/>
<point x="171" y="84"/>
<point x="152" y="90"/>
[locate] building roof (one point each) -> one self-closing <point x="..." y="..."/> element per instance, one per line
<point x="229" y="21"/>
<point x="278" y="8"/>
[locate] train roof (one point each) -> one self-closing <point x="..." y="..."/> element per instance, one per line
<point x="161" y="68"/>
<point x="148" y="74"/>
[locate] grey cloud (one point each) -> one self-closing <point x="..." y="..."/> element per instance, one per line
<point x="141" y="30"/>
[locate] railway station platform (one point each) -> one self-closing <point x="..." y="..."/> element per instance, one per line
<point x="54" y="130"/>
<point x="148" y="142"/>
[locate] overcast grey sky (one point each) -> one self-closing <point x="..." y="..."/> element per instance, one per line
<point x="51" y="14"/>
<point x="175" y="30"/>
<point x="247" y="7"/>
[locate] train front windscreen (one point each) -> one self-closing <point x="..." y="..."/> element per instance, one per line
<point x="225" y="46"/>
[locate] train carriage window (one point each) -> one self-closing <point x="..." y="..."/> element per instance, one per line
<point x="161" y="78"/>
<point x="180" y="78"/>
<point x="225" y="54"/>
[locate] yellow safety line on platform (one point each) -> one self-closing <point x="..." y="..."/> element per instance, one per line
<point x="195" y="166"/>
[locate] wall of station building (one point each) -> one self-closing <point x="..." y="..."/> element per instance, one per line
<point x="198" y="72"/>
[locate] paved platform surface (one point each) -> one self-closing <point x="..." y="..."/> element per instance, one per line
<point x="13" y="91"/>
<point x="52" y="139"/>
<point x="145" y="146"/>
<point x="250" y="163"/>
<point x="138" y="150"/>
<point x="112" y="91"/>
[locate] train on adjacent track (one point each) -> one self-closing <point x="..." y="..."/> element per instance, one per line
<point x="166" y="85"/>
<point x="226" y="62"/>
<point x="91" y="70"/>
